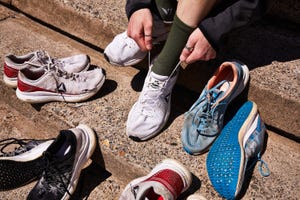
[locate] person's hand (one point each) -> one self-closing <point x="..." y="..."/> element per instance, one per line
<point x="140" y="28"/>
<point x="197" y="48"/>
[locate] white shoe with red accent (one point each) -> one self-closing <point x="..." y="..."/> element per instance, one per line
<point x="52" y="84"/>
<point x="166" y="181"/>
<point x="39" y="59"/>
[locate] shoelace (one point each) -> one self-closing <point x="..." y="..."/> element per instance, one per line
<point x="151" y="95"/>
<point x="262" y="166"/>
<point x="56" y="67"/>
<point x="54" y="174"/>
<point x="205" y="115"/>
<point x="23" y="146"/>
<point x="45" y="58"/>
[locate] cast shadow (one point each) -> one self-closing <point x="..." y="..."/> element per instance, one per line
<point x="91" y="176"/>
<point x="236" y="104"/>
<point x="196" y="184"/>
<point x="263" y="42"/>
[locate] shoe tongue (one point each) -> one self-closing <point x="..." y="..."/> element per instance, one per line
<point x="40" y="58"/>
<point x="152" y="190"/>
<point x="219" y="90"/>
<point x="156" y="81"/>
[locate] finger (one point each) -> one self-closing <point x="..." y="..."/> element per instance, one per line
<point x="137" y="36"/>
<point x="140" y="40"/>
<point x="191" y="58"/>
<point x="185" y="53"/>
<point x="148" y="37"/>
<point x="197" y="55"/>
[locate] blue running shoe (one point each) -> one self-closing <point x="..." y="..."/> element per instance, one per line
<point x="204" y="121"/>
<point x="237" y="150"/>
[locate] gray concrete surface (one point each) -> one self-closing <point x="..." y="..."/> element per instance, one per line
<point x="122" y="158"/>
<point x="270" y="46"/>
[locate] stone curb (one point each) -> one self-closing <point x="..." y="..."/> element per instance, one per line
<point x="96" y="28"/>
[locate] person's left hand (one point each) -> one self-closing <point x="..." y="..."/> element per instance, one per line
<point x="197" y="48"/>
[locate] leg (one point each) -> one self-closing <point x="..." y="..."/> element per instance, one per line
<point x="188" y="15"/>
<point x="150" y="113"/>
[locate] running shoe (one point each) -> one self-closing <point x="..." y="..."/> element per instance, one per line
<point x="38" y="59"/>
<point x="236" y="151"/>
<point x="22" y="165"/>
<point x="151" y="112"/>
<point x="124" y="51"/>
<point x="204" y="121"/>
<point x="53" y="84"/>
<point x="166" y="181"/>
<point x="65" y="158"/>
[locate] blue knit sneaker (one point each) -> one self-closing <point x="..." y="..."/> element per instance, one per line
<point x="204" y="121"/>
<point x="237" y="150"/>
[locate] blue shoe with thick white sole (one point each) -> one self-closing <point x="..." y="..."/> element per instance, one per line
<point x="204" y="121"/>
<point x="236" y="150"/>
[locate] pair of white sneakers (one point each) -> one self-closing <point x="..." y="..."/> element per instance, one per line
<point x="150" y="113"/>
<point x="40" y="78"/>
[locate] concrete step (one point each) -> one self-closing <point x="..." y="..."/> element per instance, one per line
<point x="270" y="48"/>
<point x="20" y="121"/>
<point x="122" y="158"/>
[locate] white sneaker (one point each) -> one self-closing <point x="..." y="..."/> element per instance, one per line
<point x="37" y="59"/>
<point x="124" y="51"/>
<point x="150" y="113"/>
<point x="46" y="85"/>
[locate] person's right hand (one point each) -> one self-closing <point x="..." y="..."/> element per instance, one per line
<point x="140" y="28"/>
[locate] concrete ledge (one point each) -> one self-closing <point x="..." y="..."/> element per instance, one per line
<point x="107" y="112"/>
<point x="96" y="23"/>
<point x="258" y="46"/>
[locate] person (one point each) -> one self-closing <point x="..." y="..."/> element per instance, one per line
<point x="196" y="33"/>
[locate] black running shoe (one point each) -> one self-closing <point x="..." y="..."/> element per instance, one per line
<point x="65" y="159"/>
<point x="22" y="165"/>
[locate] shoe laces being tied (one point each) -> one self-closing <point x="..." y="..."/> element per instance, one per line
<point x="205" y="120"/>
<point x="150" y="98"/>
<point x="22" y="145"/>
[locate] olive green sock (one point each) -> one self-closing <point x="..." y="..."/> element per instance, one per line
<point x="169" y="56"/>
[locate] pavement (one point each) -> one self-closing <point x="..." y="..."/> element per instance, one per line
<point x="119" y="159"/>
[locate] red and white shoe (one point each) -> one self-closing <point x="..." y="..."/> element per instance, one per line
<point x="165" y="182"/>
<point x="39" y="59"/>
<point x="52" y="84"/>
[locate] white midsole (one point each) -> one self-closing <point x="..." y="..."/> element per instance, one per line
<point x="42" y="96"/>
<point x="31" y="154"/>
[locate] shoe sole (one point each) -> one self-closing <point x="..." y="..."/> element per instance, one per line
<point x="10" y="82"/>
<point x="165" y="164"/>
<point x="43" y="97"/>
<point x="225" y="162"/>
<point x="17" y="171"/>
<point x="129" y="63"/>
<point x="83" y="158"/>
